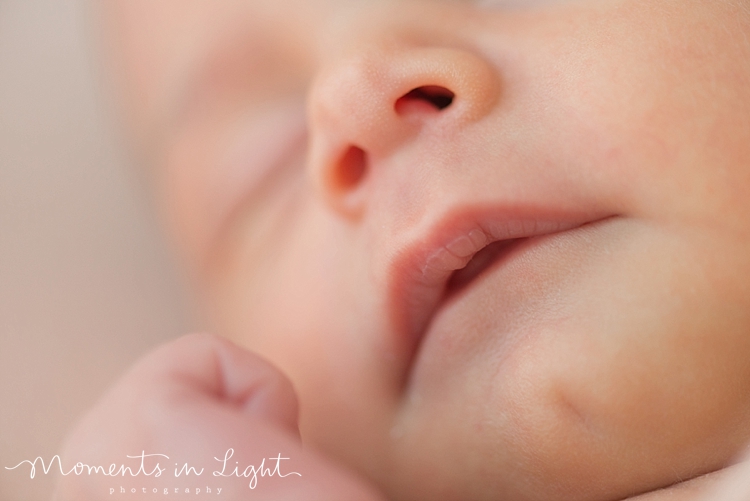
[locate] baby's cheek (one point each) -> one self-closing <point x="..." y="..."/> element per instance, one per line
<point x="641" y="380"/>
<point x="652" y="370"/>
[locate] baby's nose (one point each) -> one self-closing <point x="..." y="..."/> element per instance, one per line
<point x="368" y="105"/>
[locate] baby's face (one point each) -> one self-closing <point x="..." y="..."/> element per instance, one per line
<point x="585" y="164"/>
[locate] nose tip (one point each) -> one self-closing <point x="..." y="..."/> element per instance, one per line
<point x="365" y="108"/>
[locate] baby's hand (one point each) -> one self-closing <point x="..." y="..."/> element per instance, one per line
<point x="200" y="400"/>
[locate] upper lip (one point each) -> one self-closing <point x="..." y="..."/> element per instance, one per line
<point x="420" y="272"/>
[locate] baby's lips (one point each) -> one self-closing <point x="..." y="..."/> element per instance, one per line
<point x="423" y="270"/>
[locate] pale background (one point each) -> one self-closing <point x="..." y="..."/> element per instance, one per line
<point x="86" y="283"/>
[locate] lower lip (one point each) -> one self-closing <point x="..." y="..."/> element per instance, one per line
<point x="496" y="303"/>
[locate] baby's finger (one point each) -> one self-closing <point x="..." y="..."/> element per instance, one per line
<point x="201" y="365"/>
<point x="201" y="403"/>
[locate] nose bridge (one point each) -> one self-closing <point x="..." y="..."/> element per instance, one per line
<point x="386" y="87"/>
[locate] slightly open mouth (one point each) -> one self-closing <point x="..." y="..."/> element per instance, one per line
<point x="479" y="263"/>
<point x="454" y="255"/>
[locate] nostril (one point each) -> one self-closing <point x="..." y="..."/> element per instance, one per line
<point x="435" y="96"/>
<point x="351" y="169"/>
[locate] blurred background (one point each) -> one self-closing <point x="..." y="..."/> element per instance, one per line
<point x="86" y="282"/>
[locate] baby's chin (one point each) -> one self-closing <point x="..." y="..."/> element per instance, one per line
<point x="535" y="439"/>
<point x="583" y="380"/>
<point x="601" y="394"/>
